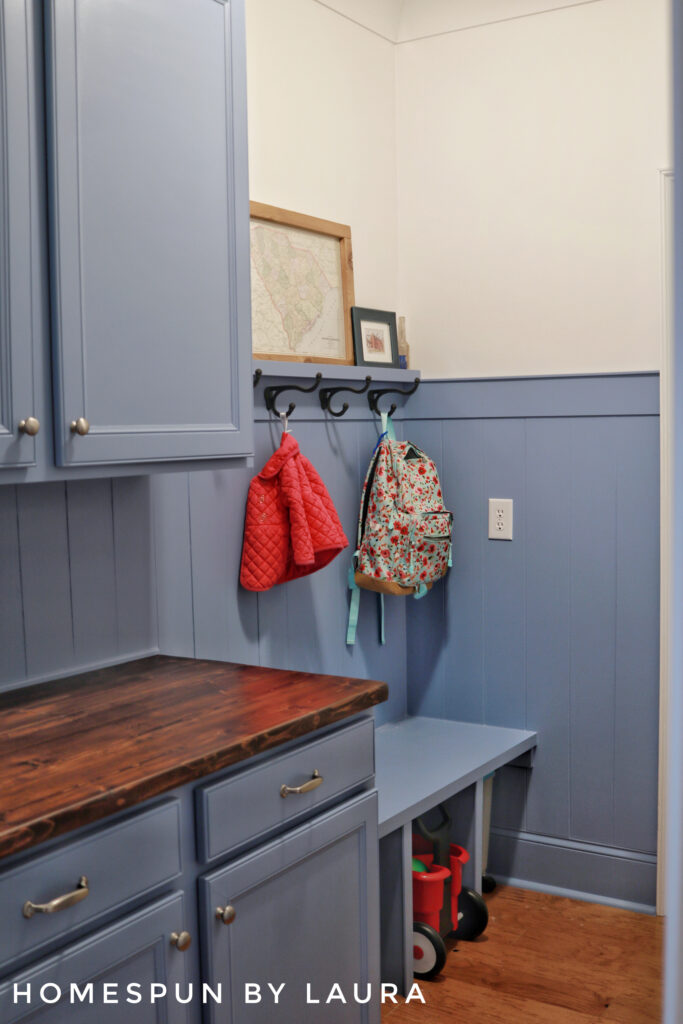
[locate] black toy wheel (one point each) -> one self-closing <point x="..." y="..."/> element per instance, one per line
<point x="473" y="915"/>
<point x="429" y="951"/>
<point x="488" y="883"/>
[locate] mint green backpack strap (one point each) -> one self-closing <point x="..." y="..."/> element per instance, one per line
<point x="354" y="609"/>
<point x="388" y="426"/>
<point x="354" y="606"/>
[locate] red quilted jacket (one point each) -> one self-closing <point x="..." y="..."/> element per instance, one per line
<point x="291" y="527"/>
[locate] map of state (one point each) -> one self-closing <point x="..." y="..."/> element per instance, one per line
<point x="296" y="295"/>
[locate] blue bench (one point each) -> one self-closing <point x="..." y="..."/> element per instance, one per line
<point x="419" y="763"/>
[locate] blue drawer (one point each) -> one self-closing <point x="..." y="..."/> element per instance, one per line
<point x="134" y="951"/>
<point x="122" y="863"/>
<point x="248" y="805"/>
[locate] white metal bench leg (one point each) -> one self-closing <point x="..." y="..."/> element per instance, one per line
<point x="477" y="852"/>
<point x="407" y="908"/>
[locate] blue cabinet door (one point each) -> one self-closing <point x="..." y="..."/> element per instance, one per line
<point x="306" y="918"/>
<point x="17" y="224"/>
<point x="149" y="211"/>
<point x="129" y="957"/>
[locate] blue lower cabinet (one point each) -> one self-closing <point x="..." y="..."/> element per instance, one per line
<point x="134" y="971"/>
<point x="290" y="932"/>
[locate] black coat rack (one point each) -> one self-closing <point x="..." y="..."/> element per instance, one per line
<point x="272" y="392"/>
<point x="326" y="394"/>
<point x="375" y="395"/>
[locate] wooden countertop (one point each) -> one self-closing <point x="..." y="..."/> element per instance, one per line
<point x="76" y="750"/>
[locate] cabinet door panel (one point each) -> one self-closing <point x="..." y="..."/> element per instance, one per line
<point x="150" y="253"/>
<point x="135" y="951"/>
<point x="17" y="170"/>
<point x="305" y="913"/>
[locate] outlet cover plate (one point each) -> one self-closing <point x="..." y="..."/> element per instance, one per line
<point x="500" y="518"/>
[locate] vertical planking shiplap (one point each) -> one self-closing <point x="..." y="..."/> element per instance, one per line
<point x="135" y="586"/>
<point x="637" y="635"/>
<point x="92" y="568"/>
<point x="427" y="636"/>
<point x="463" y="482"/>
<point x="503" y="577"/>
<point x="173" y="563"/>
<point x="593" y="624"/>
<point x="503" y="605"/>
<point x="316" y="604"/>
<point x="46" y="583"/>
<point x="12" y="646"/>
<point x="226" y="615"/>
<point x="548" y="619"/>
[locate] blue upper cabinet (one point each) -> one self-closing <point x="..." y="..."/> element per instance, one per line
<point x="149" y="227"/>
<point x="19" y="412"/>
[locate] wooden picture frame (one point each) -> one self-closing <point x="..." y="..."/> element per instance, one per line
<point x="275" y="215"/>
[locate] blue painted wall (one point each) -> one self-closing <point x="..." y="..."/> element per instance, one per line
<point x="558" y="630"/>
<point x="204" y="612"/>
<point x="76" y="581"/>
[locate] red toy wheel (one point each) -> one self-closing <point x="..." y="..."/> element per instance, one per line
<point x="429" y="951"/>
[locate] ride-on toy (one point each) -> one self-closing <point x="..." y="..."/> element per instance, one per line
<point x="441" y="905"/>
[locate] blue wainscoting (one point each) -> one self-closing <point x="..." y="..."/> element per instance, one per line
<point x="76" y="580"/>
<point x="557" y="631"/>
<point x="203" y="610"/>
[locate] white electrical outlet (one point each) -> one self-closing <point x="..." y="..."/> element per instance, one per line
<point x="500" y="518"/>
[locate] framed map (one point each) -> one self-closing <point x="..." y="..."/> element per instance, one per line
<point x="301" y="287"/>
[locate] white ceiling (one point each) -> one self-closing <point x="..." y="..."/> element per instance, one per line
<point x="404" y="20"/>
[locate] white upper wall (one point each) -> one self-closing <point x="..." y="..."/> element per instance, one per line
<point x="529" y="192"/>
<point x="322" y="129"/>
<point x="524" y="232"/>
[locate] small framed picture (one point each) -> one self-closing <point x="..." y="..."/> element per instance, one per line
<point x="375" y="342"/>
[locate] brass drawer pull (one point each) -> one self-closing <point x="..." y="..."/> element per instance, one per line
<point x="59" y="902"/>
<point x="315" y="780"/>
<point x="181" y="940"/>
<point x="225" y="914"/>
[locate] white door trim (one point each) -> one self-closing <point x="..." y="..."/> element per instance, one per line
<point x="666" y="399"/>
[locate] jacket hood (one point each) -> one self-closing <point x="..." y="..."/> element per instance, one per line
<point x="289" y="447"/>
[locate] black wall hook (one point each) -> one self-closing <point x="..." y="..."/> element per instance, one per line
<point x="271" y="393"/>
<point x="375" y="395"/>
<point x="327" y="393"/>
<point x="258" y="373"/>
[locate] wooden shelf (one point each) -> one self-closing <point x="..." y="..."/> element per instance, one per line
<point x="334" y="372"/>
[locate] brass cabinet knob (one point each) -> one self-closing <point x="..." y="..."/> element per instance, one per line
<point x="181" y="940"/>
<point x="80" y="426"/>
<point x="29" y="426"/>
<point x="225" y="914"/>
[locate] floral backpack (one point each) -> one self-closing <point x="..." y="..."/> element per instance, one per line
<point x="404" y="528"/>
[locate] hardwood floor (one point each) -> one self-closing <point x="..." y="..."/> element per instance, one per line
<point x="546" y="960"/>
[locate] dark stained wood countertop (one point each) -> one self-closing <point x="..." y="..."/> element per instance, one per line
<point x="75" y="750"/>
